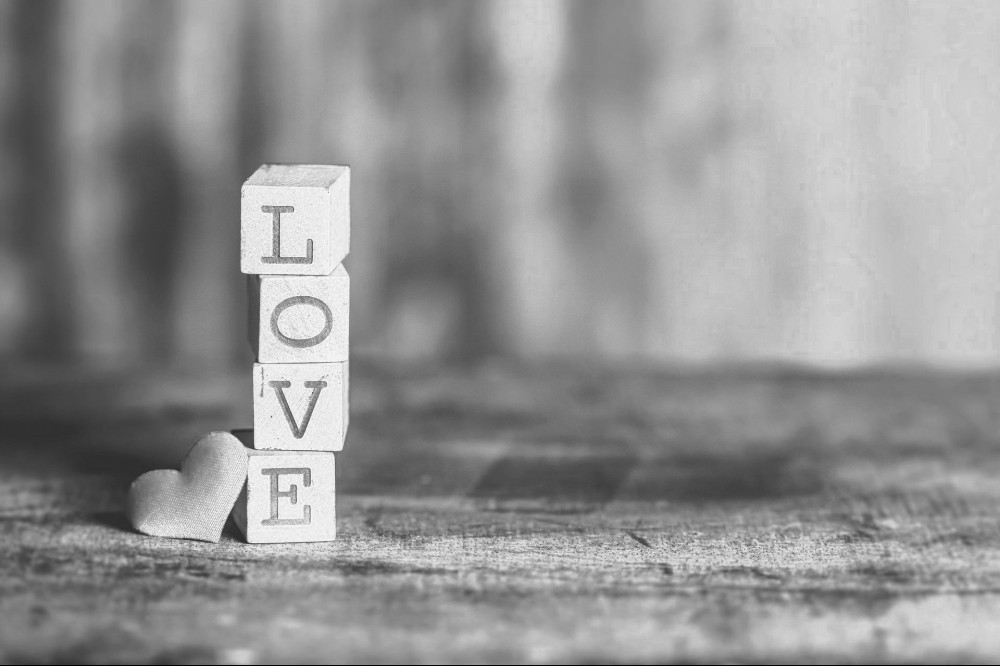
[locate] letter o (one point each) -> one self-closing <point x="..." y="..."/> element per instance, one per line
<point x="300" y="343"/>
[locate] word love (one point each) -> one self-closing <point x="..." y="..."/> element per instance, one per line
<point x="295" y="230"/>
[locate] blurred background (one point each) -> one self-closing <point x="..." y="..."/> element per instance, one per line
<point x="630" y="180"/>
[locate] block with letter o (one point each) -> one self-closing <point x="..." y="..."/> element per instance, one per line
<point x="297" y="319"/>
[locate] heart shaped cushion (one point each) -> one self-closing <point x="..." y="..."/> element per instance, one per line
<point x="194" y="502"/>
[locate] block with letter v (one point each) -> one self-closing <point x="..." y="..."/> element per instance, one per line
<point x="300" y="406"/>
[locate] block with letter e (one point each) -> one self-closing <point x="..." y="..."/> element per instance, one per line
<point x="296" y="319"/>
<point x="289" y="496"/>
<point x="295" y="219"/>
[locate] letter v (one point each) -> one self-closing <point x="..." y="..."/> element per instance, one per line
<point x="279" y="387"/>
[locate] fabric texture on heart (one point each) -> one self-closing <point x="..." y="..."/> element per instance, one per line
<point x="195" y="502"/>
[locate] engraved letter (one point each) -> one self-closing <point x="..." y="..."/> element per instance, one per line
<point x="316" y="387"/>
<point x="276" y="257"/>
<point x="301" y="343"/>
<point x="292" y="494"/>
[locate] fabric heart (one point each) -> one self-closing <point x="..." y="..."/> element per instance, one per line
<point x="195" y="502"/>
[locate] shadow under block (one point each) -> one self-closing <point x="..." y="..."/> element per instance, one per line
<point x="289" y="497"/>
<point x="296" y="319"/>
<point x="295" y="219"/>
<point x="300" y="406"/>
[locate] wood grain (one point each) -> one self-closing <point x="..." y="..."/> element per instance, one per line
<point x="204" y="114"/>
<point x="526" y="513"/>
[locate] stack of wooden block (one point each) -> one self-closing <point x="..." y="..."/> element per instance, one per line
<point x="295" y="232"/>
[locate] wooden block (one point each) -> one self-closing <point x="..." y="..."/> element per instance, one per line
<point x="289" y="497"/>
<point x="295" y="319"/>
<point x="295" y="219"/>
<point x="300" y="406"/>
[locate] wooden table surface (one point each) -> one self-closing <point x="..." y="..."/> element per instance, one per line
<point x="540" y="513"/>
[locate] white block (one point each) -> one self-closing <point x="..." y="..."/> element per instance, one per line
<point x="290" y="497"/>
<point x="295" y="219"/>
<point x="300" y="406"/>
<point x="295" y="319"/>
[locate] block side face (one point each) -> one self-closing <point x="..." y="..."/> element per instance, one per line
<point x="291" y="497"/>
<point x="299" y="406"/>
<point x="285" y="231"/>
<point x="340" y="218"/>
<point x="253" y="313"/>
<point x="303" y="319"/>
<point x="347" y="398"/>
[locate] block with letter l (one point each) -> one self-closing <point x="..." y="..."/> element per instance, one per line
<point x="295" y="219"/>
<point x="289" y="497"/>
<point x="295" y="319"/>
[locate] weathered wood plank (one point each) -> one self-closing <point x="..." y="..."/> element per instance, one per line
<point x="205" y="114"/>
<point x="542" y="513"/>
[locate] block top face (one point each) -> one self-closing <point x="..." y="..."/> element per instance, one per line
<point x="295" y="219"/>
<point x="322" y="176"/>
